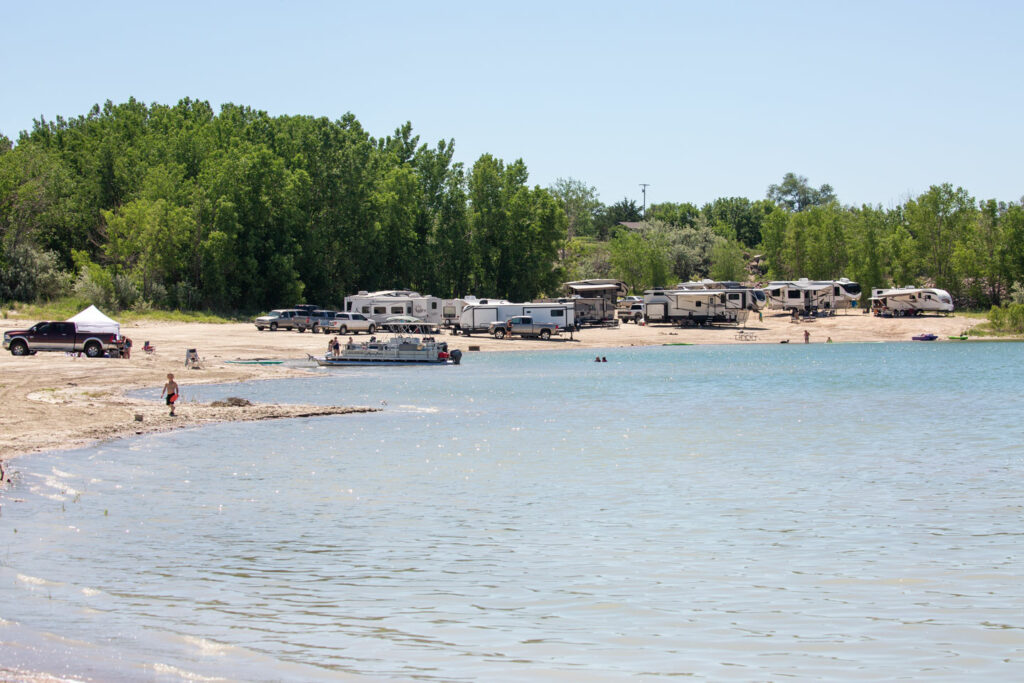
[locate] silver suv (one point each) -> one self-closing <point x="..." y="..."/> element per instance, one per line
<point x="317" y="321"/>
<point x="281" y="318"/>
<point x="349" y="323"/>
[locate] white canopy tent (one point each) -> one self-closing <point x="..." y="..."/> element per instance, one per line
<point x="93" y="319"/>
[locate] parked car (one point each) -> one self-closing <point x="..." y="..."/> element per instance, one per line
<point x="280" y="318"/>
<point x="635" y="312"/>
<point x="316" y="321"/>
<point x="349" y="323"/>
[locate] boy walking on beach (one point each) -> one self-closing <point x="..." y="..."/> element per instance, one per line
<point x="171" y="391"/>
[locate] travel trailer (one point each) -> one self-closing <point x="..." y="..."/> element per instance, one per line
<point x="595" y="300"/>
<point x="904" y="301"/>
<point x="379" y="306"/>
<point x="701" y="306"/>
<point x="811" y="296"/>
<point x="478" y="317"/>
<point x="451" y="309"/>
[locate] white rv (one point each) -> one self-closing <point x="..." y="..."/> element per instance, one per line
<point x="810" y="296"/>
<point x="451" y="309"/>
<point x="701" y="306"/>
<point x="709" y="284"/>
<point x="901" y="301"/>
<point x="478" y="317"/>
<point x="595" y="300"/>
<point x="378" y="306"/>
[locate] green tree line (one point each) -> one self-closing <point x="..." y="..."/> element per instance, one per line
<point x="136" y="205"/>
<point x="182" y="207"/>
<point x="944" y="238"/>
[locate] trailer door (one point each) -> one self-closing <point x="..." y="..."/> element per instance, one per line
<point x="658" y="311"/>
<point x="483" y="317"/>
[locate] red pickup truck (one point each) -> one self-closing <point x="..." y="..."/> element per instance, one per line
<point x="61" y="336"/>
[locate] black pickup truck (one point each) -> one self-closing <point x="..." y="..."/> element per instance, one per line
<point x="61" y="336"/>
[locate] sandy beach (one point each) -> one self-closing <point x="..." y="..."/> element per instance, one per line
<point x="52" y="401"/>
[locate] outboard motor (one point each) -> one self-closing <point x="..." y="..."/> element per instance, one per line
<point x="456" y="356"/>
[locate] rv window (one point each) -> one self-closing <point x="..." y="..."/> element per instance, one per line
<point x="793" y="294"/>
<point x="557" y="312"/>
<point x="776" y="292"/>
<point x="433" y="305"/>
<point x="366" y="309"/>
<point x="398" y="310"/>
<point x="698" y="304"/>
<point x="733" y="297"/>
<point x="835" y="291"/>
<point x="348" y="305"/>
<point x="380" y="310"/>
<point x="448" y="312"/>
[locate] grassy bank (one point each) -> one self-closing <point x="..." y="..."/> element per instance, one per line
<point x="63" y="309"/>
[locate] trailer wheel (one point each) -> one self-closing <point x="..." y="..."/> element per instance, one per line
<point x="499" y="333"/>
<point x="545" y="335"/>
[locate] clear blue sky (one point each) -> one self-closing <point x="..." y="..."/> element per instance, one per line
<point x="699" y="99"/>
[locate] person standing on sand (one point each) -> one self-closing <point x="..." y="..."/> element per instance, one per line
<point x="171" y="391"/>
<point x="807" y="337"/>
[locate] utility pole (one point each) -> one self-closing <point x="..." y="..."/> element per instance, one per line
<point x="643" y="188"/>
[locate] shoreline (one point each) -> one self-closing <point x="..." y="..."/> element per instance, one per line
<point x="54" y="402"/>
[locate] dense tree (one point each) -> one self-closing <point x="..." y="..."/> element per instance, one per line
<point x="680" y="215"/>
<point x="608" y="217"/>
<point x="579" y="202"/>
<point x="938" y="221"/>
<point x="515" y="231"/>
<point x="727" y="262"/>
<point x="641" y="261"/>
<point x="794" y="193"/>
<point x="742" y="219"/>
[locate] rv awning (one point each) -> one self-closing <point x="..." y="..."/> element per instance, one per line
<point x="598" y="286"/>
<point x="93" y="319"/>
<point x="592" y="288"/>
<point x="816" y="287"/>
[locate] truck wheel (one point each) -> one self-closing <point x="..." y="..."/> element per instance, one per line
<point x="273" y="327"/>
<point x="545" y="334"/>
<point x="259" y="327"/>
<point x="499" y="333"/>
<point x="371" y="329"/>
<point x="93" y="350"/>
<point x="342" y="329"/>
<point x="19" y="348"/>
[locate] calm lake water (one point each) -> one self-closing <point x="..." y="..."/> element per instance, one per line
<point x="829" y="512"/>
